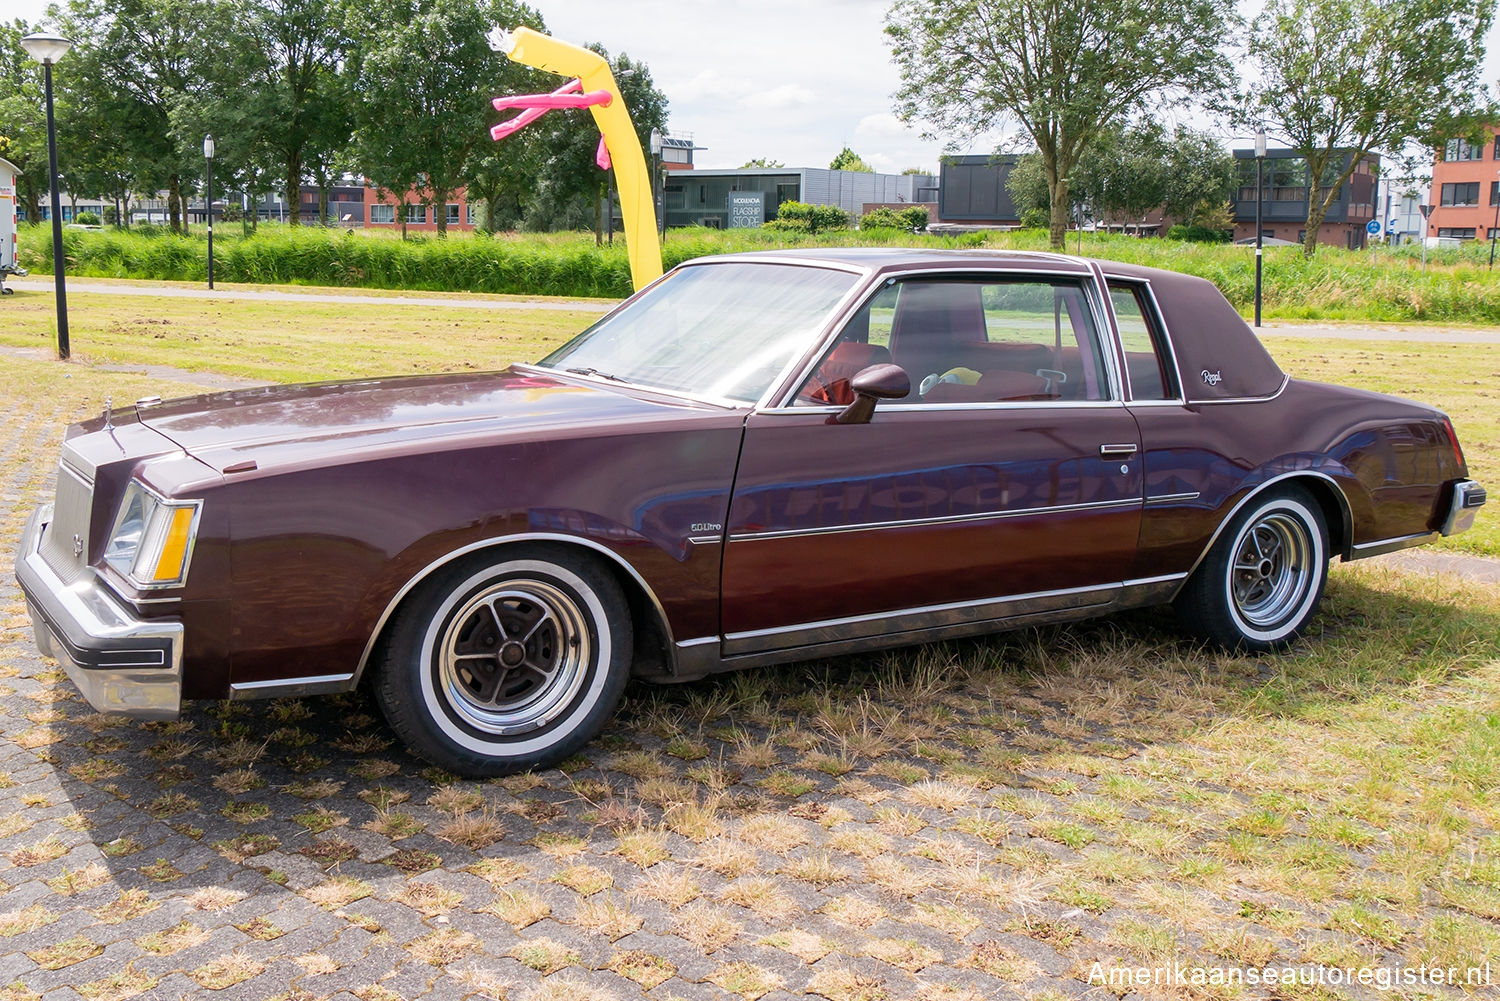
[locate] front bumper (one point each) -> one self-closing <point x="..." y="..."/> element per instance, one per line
<point x="1465" y="501"/>
<point x="120" y="663"/>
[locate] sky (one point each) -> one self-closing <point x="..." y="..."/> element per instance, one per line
<point x="788" y="80"/>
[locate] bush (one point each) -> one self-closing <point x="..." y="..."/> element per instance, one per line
<point x="913" y="219"/>
<point x="1035" y="218"/>
<point x="1199" y="234"/>
<point x="87" y="219"/>
<point x="804" y="218"/>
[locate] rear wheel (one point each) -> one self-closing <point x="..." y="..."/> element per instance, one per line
<point x="1261" y="583"/>
<point x="507" y="662"/>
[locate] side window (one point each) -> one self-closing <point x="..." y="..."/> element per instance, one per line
<point x="971" y="341"/>
<point x="1145" y="352"/>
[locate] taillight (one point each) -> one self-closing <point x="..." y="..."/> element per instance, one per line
<point x="1458" y="452"/>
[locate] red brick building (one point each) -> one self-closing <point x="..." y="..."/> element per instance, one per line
<point x="1466" y="188"/>
<point x="383" y="211"/>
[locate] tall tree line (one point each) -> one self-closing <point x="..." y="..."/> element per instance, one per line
<point x="297" y="93"/>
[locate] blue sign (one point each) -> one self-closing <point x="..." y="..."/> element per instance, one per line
<point x="1372" y="227"/>
<point x="1390" y="225"/>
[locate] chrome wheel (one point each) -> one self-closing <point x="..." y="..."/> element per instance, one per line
<point x="1273" y="569"/>
<point x="514" y="656"/>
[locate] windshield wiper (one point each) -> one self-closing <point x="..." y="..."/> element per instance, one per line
<point x="595" y="372"/>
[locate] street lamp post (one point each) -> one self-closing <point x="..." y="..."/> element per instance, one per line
<point x="1495" y="229"/>
<point x="1260" y="161"/>
<point x="47" y="48"/>
<point x="660" y="200"/>
<point x="208" y="156"/>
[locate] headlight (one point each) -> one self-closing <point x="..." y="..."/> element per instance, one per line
<point x="152" y="537"/>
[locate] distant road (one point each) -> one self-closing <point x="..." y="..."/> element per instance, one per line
<point x="1383" y="332"/>
<point x="456" y="300"/>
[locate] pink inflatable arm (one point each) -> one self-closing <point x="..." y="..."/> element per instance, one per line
<point x="536" y="105"/>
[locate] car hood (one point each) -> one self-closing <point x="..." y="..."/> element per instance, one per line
<point x="281" y="424"/>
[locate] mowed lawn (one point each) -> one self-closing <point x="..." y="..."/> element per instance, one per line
<point x="962" y="821"/>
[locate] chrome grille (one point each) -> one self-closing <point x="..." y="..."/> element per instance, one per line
<point x="69" y="531"/>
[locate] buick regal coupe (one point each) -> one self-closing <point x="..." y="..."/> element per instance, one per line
<point x="757" y="459"/>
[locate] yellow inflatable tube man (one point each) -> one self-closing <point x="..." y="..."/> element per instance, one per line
<point x="619" y="144"/>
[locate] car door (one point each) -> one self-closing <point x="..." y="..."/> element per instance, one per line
<point x="1004" y="485"/>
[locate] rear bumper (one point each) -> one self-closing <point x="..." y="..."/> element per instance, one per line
<point x="1463" y="503"/>
<point x="120" y="663"/>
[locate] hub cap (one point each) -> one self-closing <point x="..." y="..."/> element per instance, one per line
<point x="514" y="656"/>
<point x="1272" y="570"/>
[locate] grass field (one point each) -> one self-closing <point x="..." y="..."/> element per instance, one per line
<point x="961" y="822"/>
<point x="1457" y="287"/>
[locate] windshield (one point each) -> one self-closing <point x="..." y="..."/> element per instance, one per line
<point x="717" y="330"/>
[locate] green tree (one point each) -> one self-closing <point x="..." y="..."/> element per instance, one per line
<point x="847" y="159"/>
<point x="23" y="122"/>
<point x="1199" y="178"/>
<point x="1338" y="79"/>
<point x="1122" y="175"/>
<point x="761" y="163"/>
<point x="424" y="77"/>
<point x="156" y="64"/>
<point x="1029" y="190"/>
<point x="1060" y="70"/>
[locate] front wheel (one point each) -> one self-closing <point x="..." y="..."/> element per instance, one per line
<point x="507" y="662"/>
<point x="1261" y="582"/>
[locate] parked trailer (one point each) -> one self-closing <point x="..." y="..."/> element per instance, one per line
<point x="8" y="264"/>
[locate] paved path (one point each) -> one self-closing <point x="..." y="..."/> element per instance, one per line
<point x="458" y="301"/>
<point x="1481" y="568"/>
<point x="1383" y="332"/>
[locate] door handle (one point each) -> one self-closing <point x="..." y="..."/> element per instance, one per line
<point x="1127" y="448"/>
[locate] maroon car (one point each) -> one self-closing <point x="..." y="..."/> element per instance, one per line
<point x="757" y="459"/>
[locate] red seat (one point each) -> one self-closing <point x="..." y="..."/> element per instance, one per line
<point x="831" y="383"/>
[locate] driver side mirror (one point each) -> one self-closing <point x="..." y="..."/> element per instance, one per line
<point x="878" y="382"/>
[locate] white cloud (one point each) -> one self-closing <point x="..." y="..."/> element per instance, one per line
<point x="882" y="125"/>
<point x="788" y="95"/>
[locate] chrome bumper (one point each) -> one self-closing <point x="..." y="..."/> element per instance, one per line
<point x="120" y="663"/>
<point x="1468" y="497"/>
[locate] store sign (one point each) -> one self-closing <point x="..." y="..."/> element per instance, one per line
<point x="747" y="209"/>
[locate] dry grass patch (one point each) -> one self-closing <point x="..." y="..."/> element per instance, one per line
<point x="519" y="907"/>
<point x="939" y="795"/>
<point x="474" y="831"/>
<point x="180" y="936"/>
<point x="947" y="918"/>
<point x="78" y="880"/>
<point x="854" y="911"/>
<point x="340" y="891"/>
<point x="443" y="947"/>
<point x="909" y="955"/>
<point x="746" y="980"/>
<point x="995" y="959"/>
<point x="803" y="944"/>
<point x="847" y="985"/>
<point x="672" y="886"/>
<point x="607" y="917"/>
<point x="497" y="871"/>
<point x="762" y="895"/>
<point x="226" y="971"/>
<point x="772" y="833"/>
<point x="130" y="905"/>
<point x="643" y="847"/>
<point x="544" y="955"/>
<point x="66" y="953"/>
<point x="644" y="968"/>
<point x="214" y="898"/>
<point x="429" y="898"/>
<point x="316" y="964"/>
<point x="47" y="850"/>
<point x="709" y="928"/>
<point x="726" y="857"/>
<point x="859" y="842"/>
<point x="126" y="983"/>
<point x="584" y="879"/>
<point x="817" y="868"/>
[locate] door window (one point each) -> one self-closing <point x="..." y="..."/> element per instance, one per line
<point x="970" y="341"/>
<point x="1146" y="360"/>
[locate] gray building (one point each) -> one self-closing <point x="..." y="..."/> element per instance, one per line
<point x="972" y="189"/>
<point x="1285" y="190"/>
<point x="701" y="197"/>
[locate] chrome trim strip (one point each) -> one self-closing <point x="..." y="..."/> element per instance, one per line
<point x="893" y="408"/>
<point x="705" y="540"/>
<point x="1123" y="448"/>
<point x="891" y="627"/>
<point x="1286" y="380"/>
<point x="1260" y="488"/>
<point x="1380" y="547"/>
<point x="421" y="575"/>
<point x="877" y="526"/>
<point x="320" y="684"/>
<point x="1170" y="498"/>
